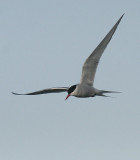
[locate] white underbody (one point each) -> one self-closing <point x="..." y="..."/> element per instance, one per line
<point x="85" y="91"/>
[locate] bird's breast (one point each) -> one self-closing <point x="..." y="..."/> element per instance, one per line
<point x="83" y="91"/>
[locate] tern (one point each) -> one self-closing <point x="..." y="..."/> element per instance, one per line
<point x="86" y="86"/>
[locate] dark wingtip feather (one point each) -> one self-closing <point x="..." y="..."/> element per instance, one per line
<point x="16" y="93"/>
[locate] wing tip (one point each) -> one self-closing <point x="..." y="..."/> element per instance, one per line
<point x="17" y="93"/>
<point x="122" y="16"/>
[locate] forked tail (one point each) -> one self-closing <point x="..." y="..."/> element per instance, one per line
<point x="103" y="91"/>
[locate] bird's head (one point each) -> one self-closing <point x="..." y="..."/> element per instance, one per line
<point x="70" y="91"/>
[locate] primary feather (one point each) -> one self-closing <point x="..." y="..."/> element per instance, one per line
<point x="91" y="63"/>
<point x="44" y="91"/>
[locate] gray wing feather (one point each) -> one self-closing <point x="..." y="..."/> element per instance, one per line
<point x="91" y="63"/>
<point x="44" y="91"/>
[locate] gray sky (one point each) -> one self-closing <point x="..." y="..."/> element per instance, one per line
<point x="44" y="43"/>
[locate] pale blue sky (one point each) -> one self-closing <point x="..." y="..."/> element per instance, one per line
<point x="44" y="43"/>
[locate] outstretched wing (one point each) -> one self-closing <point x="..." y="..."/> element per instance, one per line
<point x="44" y="91"/>
<point x="91" y="63"/>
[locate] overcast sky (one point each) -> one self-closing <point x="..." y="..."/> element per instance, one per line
<point x="44" y="43"/>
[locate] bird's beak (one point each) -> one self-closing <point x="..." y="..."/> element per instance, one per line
<point x="67" y="97"/>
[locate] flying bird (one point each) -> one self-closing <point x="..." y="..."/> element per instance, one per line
<point x="86" y="86"/>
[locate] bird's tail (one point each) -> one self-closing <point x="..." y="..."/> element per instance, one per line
<point x="103" y="91"/>
<point x="110" y="91"/>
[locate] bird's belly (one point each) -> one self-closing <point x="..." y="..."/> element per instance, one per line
<point x="83" y="96"/>
<point x="84" y="92"/>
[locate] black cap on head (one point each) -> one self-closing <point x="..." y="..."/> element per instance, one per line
<point x="71" y="89"/>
